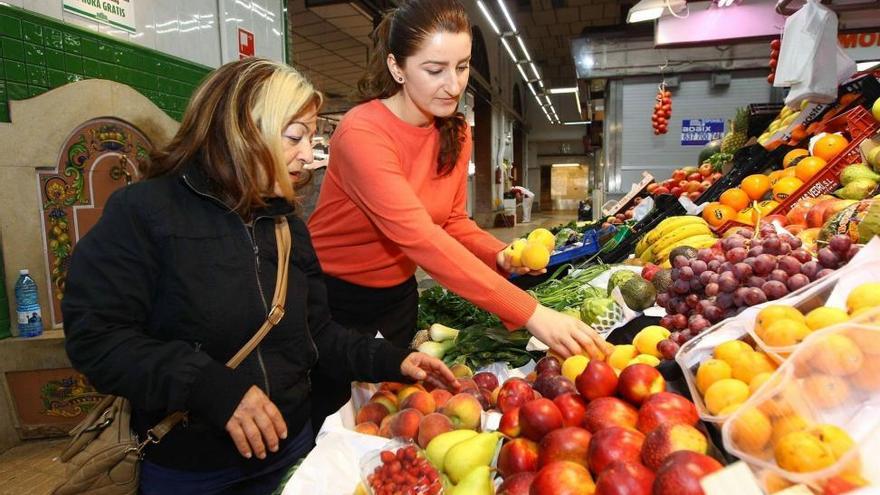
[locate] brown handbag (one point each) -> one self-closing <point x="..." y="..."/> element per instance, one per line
<point x="103" y="458"/>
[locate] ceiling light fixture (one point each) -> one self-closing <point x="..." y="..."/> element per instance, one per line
<point x="522" y="73"/>
<point x="509" y="49"/>
<point x="488" y="17"/>
<point x="534" y="70"/>
<point x="579" y="122"/>
<point x="522" y="46"/>
<point x="559" y="91"/>
<point x="565" y="165"/>
<point x="648" y="10"/>
<point x="507" y="15"/>
<point x="532" y="89"/>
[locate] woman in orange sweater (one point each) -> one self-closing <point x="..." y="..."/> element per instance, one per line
<point x="394" y="194"/>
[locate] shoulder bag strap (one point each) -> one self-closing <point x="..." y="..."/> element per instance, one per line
<point x="282" y="237"/>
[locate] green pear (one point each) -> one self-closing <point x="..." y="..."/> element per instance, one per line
<point x="465" y="456"/>
<point x="440" y="445"/>
<point x="477" y="482"/>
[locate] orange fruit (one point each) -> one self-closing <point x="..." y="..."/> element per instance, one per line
<point x="717" y="214"/>
<point x="785" y="187"/>
<point x="735" y="198"/>
<point x="730" y="350"/>
<point x="756" y="186"/>
<point x="783" y="333"/>
<point x="826" y="390"/>
<point x="802" y="452"/>
<point x="710" y="371"/>
<point x="775" y="176"/>
<point x="786" y="424"/>
<point x="749" y="365"/>
<point x="791" y="158"/>
<point x="808" y="167"/>
<point x="789" y="172"/>
<point x="751" y="430"/>
<point x="724" y="393"/>
<point x="829" y="146"/>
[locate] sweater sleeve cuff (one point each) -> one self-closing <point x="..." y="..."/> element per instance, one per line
<point x="217" y="393"/>
<point x="387" y="361"/>
<point x="489" y="256"/>
<point x="513" y="305"/>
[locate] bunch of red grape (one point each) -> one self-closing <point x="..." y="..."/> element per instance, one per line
<point x="404" y="472"/>
<point x="740" y="271"/>
<point x="662" y="111"/>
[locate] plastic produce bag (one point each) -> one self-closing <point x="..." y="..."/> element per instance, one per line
<point x="643" y="209"/>
<point x="810" y="59"/>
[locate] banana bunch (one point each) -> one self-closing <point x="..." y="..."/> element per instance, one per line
<point x="693" y="231"/>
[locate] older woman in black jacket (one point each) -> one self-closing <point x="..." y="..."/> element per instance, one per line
<point x="176" y="277"/>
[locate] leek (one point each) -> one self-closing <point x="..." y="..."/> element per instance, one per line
<point x="439" y="333"/>
<point x="437" y="349"/>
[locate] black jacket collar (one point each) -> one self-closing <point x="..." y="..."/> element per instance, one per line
<point x="194" y="176"/>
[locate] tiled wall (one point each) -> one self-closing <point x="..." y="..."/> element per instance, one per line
<point x="38" y="53"/>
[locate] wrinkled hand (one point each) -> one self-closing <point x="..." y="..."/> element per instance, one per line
<point x="566" y="335"/>
<point x="505" y="262"/>
<point x="255" y="424"/>
<point x="420" y="366"/>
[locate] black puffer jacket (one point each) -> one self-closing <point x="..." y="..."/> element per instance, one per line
<point x="170" y="283"/>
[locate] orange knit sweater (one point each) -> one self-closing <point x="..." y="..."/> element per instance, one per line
<point x="383" y="210"/>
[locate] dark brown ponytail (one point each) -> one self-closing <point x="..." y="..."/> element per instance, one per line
<point x="401" y="33"/>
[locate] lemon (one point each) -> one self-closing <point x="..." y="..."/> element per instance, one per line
<point x="824" y="316"/>
<point x="621" y="356"/>
<point x="543" y="236"/>
<point x="758" y="380"/>
<point x="574" y="366"/>
<point x="776" y="312"/>
<point x="535" y="255"/>
<point x="647" y="339"/>
<point x="729" y="351"/>
<point x="725" y="392"/>
<point x="710" y="371"/>
<point x="514" y="252"/>
<point x="864" y="296"/>
<point x="645" y="359"/>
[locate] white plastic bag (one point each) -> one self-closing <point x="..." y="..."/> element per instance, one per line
<point x="643" y="209"/>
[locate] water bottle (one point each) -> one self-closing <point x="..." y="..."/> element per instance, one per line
<point x="5" y="323"/>
<point x="27" y="306"/>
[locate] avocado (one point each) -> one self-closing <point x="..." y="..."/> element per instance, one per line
<point x="662" y="280"/>
<point x="638" y="294"/>
<point x="619" y="278"/>
<point x="686" y="251"/>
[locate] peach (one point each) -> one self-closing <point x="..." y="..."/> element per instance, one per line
<point x="392" y="387"/>
<point x="464" y="410"/>
<point x="405" y="424"/>
<point x="440" y="397"/>
<point x="387" y="399"/>
<point x="372" y="412"/>
<point x="368" y="428"/>
<point x="385" y="426"/>
<point x="421" y="401"/>
<point x="406" y="392"/>
<point x="432" y="425"/>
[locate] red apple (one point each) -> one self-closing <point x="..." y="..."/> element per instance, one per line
<point x="509" y="424"/>
<point x="676" y="191"/>
<point x="539" y="417"/>
<point x="661" y="190"/>
<point x="514" y="393"/>
<point x="487" y="380"/>
<point x="432" y="425"/>
<point x="517" y="456"/>
<point x="639" y="381"/>
<point x="666" y="407"/>
<point x="464" y="410"/>
<point x="781" y="219"/>
<point x="518" y="484"/>
<point x="572" y="408"/>
<point x="678" y="174"/>
<point x="668" y="438"/>
<point x="609" y="411"/>
<point x="614" y="444"/>
<point x="563" y="478"/>
<point x="565" y="444"/>
<point x="597" y="380"/>
<point x="696" y="176"/>
<point x="680" y="474"/>
<point x="625" y="478"/>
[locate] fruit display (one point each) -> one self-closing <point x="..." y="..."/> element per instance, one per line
<point x="742" y="270"/>
<point x="804" y="425"/>
<point x="782" y="122"/>
<point x="737" y="133"/>
<point x="688" y="181"/>
<point x="674" y="232"/>
<point x="662" y="111"/>
<point x="405" y="470"/>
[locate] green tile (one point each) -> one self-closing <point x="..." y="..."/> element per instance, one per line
<point x="54" y="59"/>
<point x="125" y="76"/>
<point x="37" y="76"/>
<point x="73" y="63"/>
<point x="31" y="32"/>
<point x="57" y="78"/>
<point x="15" y="71"/>
<point x="91" y="67"/>
<point x="10" y="26"/>
<point x="36" y="91"/>
<point x="4" y="112"/>
<point x="146" y="80"/>
<point x="89" y="47"/>
<point x="16" y="91"/>
<point x="127" y="57"/>
<point x="105" y="52"/>
<point x="108" y="71"/>
<point x="34" y="54"/>
<point x="165" y="85"/>
<point x="2" y="71"/>
<point x="13" y="49"/>
<point x="2" y="91"/>
<point x="72" y="43"/>
<point x="53" y="38"/>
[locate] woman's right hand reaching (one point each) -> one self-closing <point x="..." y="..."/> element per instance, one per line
<point x="566" y="335"/>
<point x="256" y="424"/>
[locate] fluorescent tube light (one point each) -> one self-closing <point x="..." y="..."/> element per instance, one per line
<point x="557" y="91"/>
<point x="507" y="15"/>
<point x="535" y="70"/>
<point x="488" y="17"/>
<point x="579" y="122"/>
<point x="522" y="73"/>
<point x="509" y="50"/>
<point x="565" y="165"/>
<point x="522" y="47"/>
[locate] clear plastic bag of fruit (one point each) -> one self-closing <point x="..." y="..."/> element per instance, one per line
<point x="399" y="467"/>
<point x="817" y="419"/>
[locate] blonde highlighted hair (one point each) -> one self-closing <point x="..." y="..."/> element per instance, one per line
<point x="232" y="129"/>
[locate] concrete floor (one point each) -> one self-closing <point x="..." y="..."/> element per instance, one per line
<point x="28" y="469"/>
